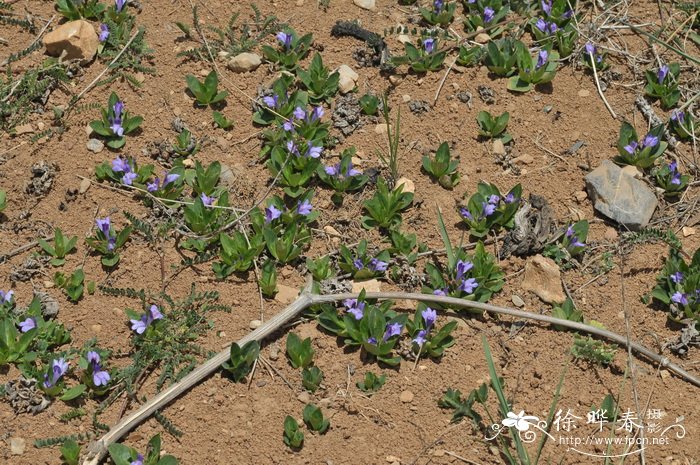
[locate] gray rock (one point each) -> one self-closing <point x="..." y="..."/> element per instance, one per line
<point x="620" y="196"/>
<point x="95" y="145"/>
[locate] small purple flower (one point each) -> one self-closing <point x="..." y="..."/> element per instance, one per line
<point x="271" y="101"/>
<point x="590" y="48"/>
<point x="547" y="7"/>
<point x="680" y="298"/>
<point x="285" y="39"/>
<point x="332" y="170"/>
<point x="487" y="209"/>
<point x="678" y="116"/>
<point x="292" y="148"/>
<point x="570" y="231"/>
<point x="393" y="329"/>
<point x="206" y="200"/>
<point x="120" y="164"/>
<point x="510" y="198"/>
<point x="58" y="368"/>
<point x="146" y="319"/>
<point x="116" y="126"/>
<point x="6" y="297"/>
<point x="631" y="147"/>
<point x="553" y="28"/>
<point x="104" y="226"/>
<point x="119" y="4"/>
<point x="575" y="243"/>
<point x="104" y="32"/>
<point x="494" y="199"/>
<point x="676" y="178"/>
<point x="462" y="268"/>
<point x="429" y="316"/>
<point x="372" y="340"/>
<point x="288" y="126"/>
<point x="317" y="113"/>
<point x="170" y="178"/>
<point x="468" y="285"/>
<point x="357" y="263"/>
<point x="138" y="461"/>
<point x="662" y="73"/>
<point x="650" y="141"/>
<point x="429" y="45"/>
<point x="355" y="308"/>
<point x="153" y="186"/>
<point x="118" y="109"/>
<point x="439" y="292"/>
<point x="304" y="208"/>
<point x="93" y="357"/>
<point x="541" y="24"/>
<point x="677" y="277"/>
<point x="129" y="178"/>
<point x="465" y="214"/>
<point x="568" y="14"/>
<point x="542" y="58"/>
<point x="488" y="14"/>
<point x="420" y="338"/>
<point x="313" y="151"/>
<point x="377" y="265"/>
<point x="299" y="113"/>
<point x="27" y="325"/>
<point x="100" y="377"/>
<point x="438" y="5"/>
<point x="272" y="213"/>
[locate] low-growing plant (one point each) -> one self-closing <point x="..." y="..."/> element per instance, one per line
<point x="360" y="263"/>
<point x="292" y="49"/>
<point x="426" y="338"/>
<point x="494" y="127"/>
<point x="487" y="210"/>
<point x="566" y="39"/>
<point x="124" y="455"/>
<point x="293" y="436"/>
<point x="268" y="279"/>
<point x="592" y="350"/>
<point x="185" y="144"/>
<point x="677" y="286"/>
<point x="3" y="200"/>
<point x="300" y="353"/>
<point x="533" y="71"/>
<point x="221" y="121"/>
<point x="567" y="311"/>
<point x="206" y="92"/>
<point x="116" y="123"/>
<point x="441" y="167"/>
<point x="441" y="13"/>
<point x="485" y="14"/>
<point x="342" y="177"/>
<point x="314" y="420"/>
<point x="369" y="104"/>
<point x="241" y="360"/>
<point x="663" y="84"/>
<point x="321" y="84"/>
<point x="72" y="285"/>
<point x="311" y="378"/>
<point x="371" y="383"/>
<point x="107" y="241"/>
<point x="393" y="133"/>
<point x="470" y="56"/>
<point x="426" y="57"/>
<point x="320" y="268"/>
<point x="462" y="406"/>
<point x="571" y="244"/>
<point x="671" y="180"/>
<point x="237" y="253"/>
<point x="60" y="248"/>
<point x="88" y="9"/>
<point x="385" y="207"/>
<point x="593" y="59"/>
<point x="681" y="122"/>
<point x="502" y="55"/>
<point x="405" y="245"/>
<point x="70" y="452"/>
<point x="124" y="170"/>
<point x="642" y="154"/>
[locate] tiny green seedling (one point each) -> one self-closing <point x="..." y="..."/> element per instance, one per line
<point x="567" y="311"/>
<point x="241" y="360"/>
<point x="237" y="253"/>
<point x="461" y="406"/>
<point x="221" y="121"/>
<point x="385" y="207"/>
<point x="300" y="353"/>
<point x="321" y="84"/>
<point x="592" y="350"/>
<point x="124" y="455"/>
<point x="426" y="57"/>
<point x="369" y="104"/>
<point x="371" y="383"/>
<point x="320" y="268"/>
<point x="70" y="452"/>
<point x="268" y="279"/>
<point x="313" y="418"/>
<point x="3" y="200"/>
<point x="494" y="127"/>
<point x="107" y="241"/>
<point x="206" y="92"/>
<point x="442" y="168"/>
<point x="501" y="56"/>
<point x="311" y="378"/>
<point x="671" y="180"/>
<point x="73" y="285"/>
<point x="61" y="247"/>
<point x="185" y="144"/>
<point x="293" y="436"/>
<point x="89" y="9"/>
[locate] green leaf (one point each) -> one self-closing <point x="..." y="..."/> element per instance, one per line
<point x="121" y="454"/>
<point x="74" y="392"/>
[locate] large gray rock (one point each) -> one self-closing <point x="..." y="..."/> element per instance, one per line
<point x="619" y="196"/>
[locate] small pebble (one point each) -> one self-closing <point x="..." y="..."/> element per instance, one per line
<point x="255" y="324"/>
<point x="17" y="446"/>
<point x="406" y="397"/>
<point x="84" y="186"/>
<point x="95" y="145"/>
<point x="304" y="397"/>
<point x="517" y="301"/>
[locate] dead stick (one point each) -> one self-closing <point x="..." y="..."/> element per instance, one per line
<point x="98" y="449"/>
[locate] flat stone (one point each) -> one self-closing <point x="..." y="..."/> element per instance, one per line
<point x="304" y="397"/>
<point x="408" y="185"/>
<point x="72" y="40"/>
<point x="543" y="277"/>
<point x="17" y="446"/>
<point x="244" y="62"/>
<point x="381" y="128"/>
<point x="95" y="145"/>
<point x="524" y="159"/>
<point x="347" y="79"/>
<point x="620" y="196"/>
<point x="406" y="98"/>
<point x="395" y="80"/>
<point x="482" y="38"/>
<point x="517" y="301"/>
<point x="406" y="397"/>
<point x="286" y="294"/>
<point x="365" y="4"/>
<point x="688" y="231"/>
<point x="254" y="324"/>
<point x="84" y="186"/>
<point x="498" y="148"/>
<point x="404" y="39"/>
<point x="24" y="129"/>
<point x="371" y="285"/>
<point x="580" y="196"/>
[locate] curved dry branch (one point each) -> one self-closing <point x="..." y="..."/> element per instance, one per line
<point x="98" y="449"/>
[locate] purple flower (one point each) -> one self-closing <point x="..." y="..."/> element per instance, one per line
<point x="355" y="308"/>
<point x="100" y="377"/>
<point x="510" y="198"/>
<point x="677" y="277"/>
<point x="541" y="24"/>
<point x="104" y="32"/>
<point x="292" y="148"/>
<point x="129" y="178"/>
<point x="676" y="178"/>
<point x="553" y="28"/>
<point x="138" y="461"/>
<point x="299" y="113"/>
<point x="377" y="265"/>
<point x="332" y="170"/>
<point x="439" y="292"/>
<point x="547" y="7"/>
<point x="120" y="5"/>
<point x="488" y="14"/>
<point x="6" y="297"/>
<point x="120" y="164"/>
<point x="680" y="298"/>
<point x="542" y="59"/>
<point x="357" y="263"/>
<point x="58" y="369"/>
<point x="662" y="73"/>
<point x="575" y="243"/>
<point x="313" y="151"/>
<point x="568" y="14"/>
<point x="487" y="209"/>
<point x="271" y="101"/>
<point x="153" y="186"/>
<point x="393" y="329"/>
<point x="304" y="208"/>
<point x="118" y="109"/>
<point x="494" y="199"/>
<point x="650" y="141"/>
<point x="678" y="116"/>
<point x="429" y="316"/>
<point x="285" y="39"/>
<point x="116" y="126"/>
<point x="631" y="147"/>
<point x="272" y="213"/>
<point x="27" y="325"/>
<point x="104" y="226"/>
<point x="590" y="48"/>
<point x="462" y="268"/>
<point x="372" y="340"/>
<point x="316" y="113"/>
<point x="468" y="285"/>
<point x="170" y="178"/>
<point x="429" y="45"/>
<point x="146" y="319"/>
<point x="93" y="357"/>
<point x="465" y="214"/>
<point x="570" y="231"/>
<point x="438" y="5"/>
<point x="288" y="125"/>
<point x="420" y="337"/>
<point x="206" y="200"/>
